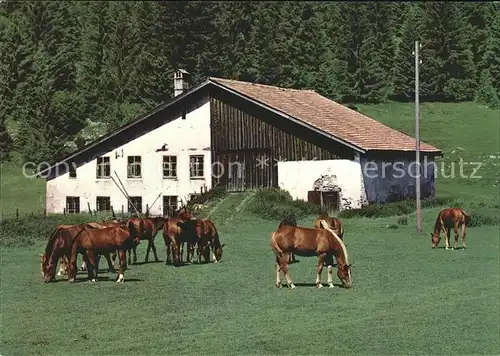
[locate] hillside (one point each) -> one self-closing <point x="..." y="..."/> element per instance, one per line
<point x="466" y="130"/>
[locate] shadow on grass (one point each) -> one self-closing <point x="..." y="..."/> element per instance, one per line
<point x="325" y="285"/>
<point x="143" y="263"/>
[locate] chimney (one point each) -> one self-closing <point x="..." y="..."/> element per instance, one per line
<point x="181" y="81"/>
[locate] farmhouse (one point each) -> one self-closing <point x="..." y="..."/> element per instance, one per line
<point x="244" y="136"/>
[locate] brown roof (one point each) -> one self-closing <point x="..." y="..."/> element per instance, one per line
<point x="328" y="116"/>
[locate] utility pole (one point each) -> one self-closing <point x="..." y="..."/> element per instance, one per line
<point x="417" y="138"/>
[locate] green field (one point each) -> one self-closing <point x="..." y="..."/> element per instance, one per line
<point x="406" y="298"/>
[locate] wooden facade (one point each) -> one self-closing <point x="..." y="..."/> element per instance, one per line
<point x="249" y="141"/>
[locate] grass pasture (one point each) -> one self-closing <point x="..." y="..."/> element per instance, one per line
<point x="406" y="299"/>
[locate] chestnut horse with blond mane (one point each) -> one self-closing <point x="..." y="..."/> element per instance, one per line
<point x="306" y="242"/>
<point x="447" y="219"/>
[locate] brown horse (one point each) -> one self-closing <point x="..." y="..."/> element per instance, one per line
<point x="59" y="247"/>
<point x="172" y="236"/>
<point x="112" y="261"/>
<point x="448" y="218"/>
<point x="204" y="234"/>
<point x="146" y="229"/>
<point x="333" y="222"/>
<point x="307" y="242"/>
<point x="92" y="242"/>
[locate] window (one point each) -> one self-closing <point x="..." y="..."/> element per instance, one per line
<point x="72" y="205"/>
<point x="134" y="167"/>
<point x="196" y="166"/>
<point x="138" y="204"/>
<point x="169" y="166"/>
<point x="103" y="204"/>
<point x="103" y="167"/>
<point x="72" y="170"/>
<point x="169" y="204"/>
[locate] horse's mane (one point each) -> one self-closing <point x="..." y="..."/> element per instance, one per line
<point x="338" y="239"/>
<point x="50" y="244"/>
<point x="288" y="221"/>
<point x="437" y="224"/>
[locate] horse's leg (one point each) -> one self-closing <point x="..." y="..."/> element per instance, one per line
<point x="283" y="262"/>
<point x="134" y="249"/>
<point x="463" y="235"/>
<point x="123" y="261"/>
<point x="129" y="250"/>
<point x="447" y="238"/>
<point x="455" y="230"/>
<point x="111" y="267"/>
<point x="319" y="269"/>
<point x="278" y="277"/>
<point x="180" y="252"/>
<point x="92" y="266"/>
<point x="329" y="263"/>
<point x="153" y="247"/>
<point x="147" y="251"/>
<point x="199" y="251"/>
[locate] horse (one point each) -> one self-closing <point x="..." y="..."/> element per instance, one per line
<point x="59" y="246"/>
<point x="147" y="229"/>
<point x="171" y="236"/>
<point x="92" y="242"/>
<point x="333" y="222"/>
<point x="448" y="218"/>
<point x="324" y="243"/>
<point x="204" y="234"/>
<point x="112" y="261"/>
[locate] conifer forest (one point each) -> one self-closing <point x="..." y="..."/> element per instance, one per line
<point x="71" y="71"/>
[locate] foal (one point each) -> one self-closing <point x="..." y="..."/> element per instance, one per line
<point x="448" y="218"/>
<point x="306" y="242"/>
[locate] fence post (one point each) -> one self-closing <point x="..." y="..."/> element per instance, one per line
<point x="17" y="213"/>
<point x="90" y="210"/>
<point x="44" y="212"/>
<point x="64" y="211"/>
<point x="122" y="212"/>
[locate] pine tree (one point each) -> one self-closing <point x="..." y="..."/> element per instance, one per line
<point x="404" y="62"/>
<point x="377" y="53"/>
<point x="447" y="69"/>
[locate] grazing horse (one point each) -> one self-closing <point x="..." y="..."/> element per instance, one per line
<point x="307" y="242"/>
<point x="146" y="229"/>
<point x="333" y="222"/>
<point x="59" y="246"/>
<point x="448" y="218"/>
<point x="204" y="234"/>
<point x="92" y="242"/>
<point x="112" y="261"/>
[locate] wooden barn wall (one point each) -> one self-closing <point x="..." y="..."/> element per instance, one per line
<point x="241" y="135"/>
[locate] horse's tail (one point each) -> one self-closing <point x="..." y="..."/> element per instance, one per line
<point x="50" y="241"/>
<point x="466" y="217"/>
<point x="274" y="245"/>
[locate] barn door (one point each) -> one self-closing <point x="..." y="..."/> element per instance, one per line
<point x="236" y="173"/>
<point x="331" y="202"/>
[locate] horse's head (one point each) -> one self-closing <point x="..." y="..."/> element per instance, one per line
<point x="218" y="253"/>
<point x="435" y="238"/>
<point x="344" y="274"/>
<point x="134" y="233"/>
